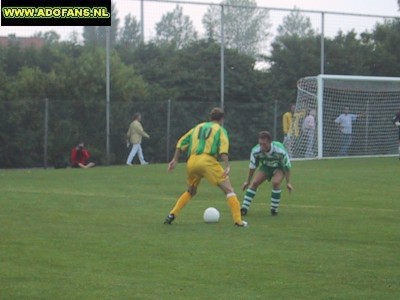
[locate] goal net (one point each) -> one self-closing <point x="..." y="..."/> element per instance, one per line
<point x="352" y="116"/>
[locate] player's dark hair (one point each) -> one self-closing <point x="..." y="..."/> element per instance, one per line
<point x="136" y="116"/>
<point x="265" y="135"/>
<point x="216" y="114"/>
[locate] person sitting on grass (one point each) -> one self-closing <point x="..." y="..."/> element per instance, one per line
<point x="80" y="157"/>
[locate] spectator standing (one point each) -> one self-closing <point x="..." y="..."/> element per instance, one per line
<point x="396" y="122"/>
<point x="308" y="130"/>
<point x="287" y="125"/>
<point x="345" y="123"/>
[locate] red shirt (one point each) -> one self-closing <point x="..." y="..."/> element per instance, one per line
<point x="79" y="156"/>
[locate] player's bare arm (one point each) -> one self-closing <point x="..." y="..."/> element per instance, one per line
<point x="245" y="184"/>
<point x="288" y="184"/>
<point x="175" y="159"/>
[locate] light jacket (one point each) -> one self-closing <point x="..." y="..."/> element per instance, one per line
<point x="136" y="132"/>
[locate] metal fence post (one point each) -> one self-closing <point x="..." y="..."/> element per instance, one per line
<point x="275" y="117"/>
<point x="108" y="94"/>
<point x="222" y="58"/>
<point x="46" y="131"/>
<point x="168" y="127"/>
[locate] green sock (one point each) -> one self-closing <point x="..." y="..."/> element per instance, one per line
<point x="275" y="199"/>
<point x="248" y="197"/>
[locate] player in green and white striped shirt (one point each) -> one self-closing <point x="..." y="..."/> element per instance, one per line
<point x="269" y="160"/>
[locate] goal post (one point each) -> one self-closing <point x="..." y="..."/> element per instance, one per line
<point x="343" y="115"/>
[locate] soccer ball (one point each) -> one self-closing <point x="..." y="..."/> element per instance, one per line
<point x="397" y="124"/>
<point x="211" y="215"/>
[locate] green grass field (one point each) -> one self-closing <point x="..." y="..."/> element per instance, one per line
<point x="99" y="234"/>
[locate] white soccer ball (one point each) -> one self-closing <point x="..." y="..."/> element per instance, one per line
<point x="397" y="124"/>
<point x="211" y="215"/>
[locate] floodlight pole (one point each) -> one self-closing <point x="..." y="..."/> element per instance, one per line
<point x="222" y="57"/>
<point x="322" y="43"/>
<point x="46" y="131"/>
<point x="108" y="94"/>
<point x="142" y="21"/>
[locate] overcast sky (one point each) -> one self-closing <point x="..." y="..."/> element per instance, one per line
<point x="375" y="7"/>
<point x="154" y="11"/>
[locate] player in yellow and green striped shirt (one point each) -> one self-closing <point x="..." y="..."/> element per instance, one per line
<point x="204" y="143"/>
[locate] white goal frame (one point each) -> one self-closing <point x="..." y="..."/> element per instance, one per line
<point x="320" y="118"/>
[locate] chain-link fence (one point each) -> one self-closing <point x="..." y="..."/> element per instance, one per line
<point x="44" y="131"/>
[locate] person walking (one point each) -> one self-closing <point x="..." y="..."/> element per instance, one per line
<point x="270" y="161"/>
<point x="204" y="143"/>
<point x="134" y="138"/>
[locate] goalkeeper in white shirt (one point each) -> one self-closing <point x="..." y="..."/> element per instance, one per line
<point x="269" y="160"/>
<point x="396" y="122"/>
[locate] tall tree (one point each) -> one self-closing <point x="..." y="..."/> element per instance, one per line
<point x="130" y="33"/>
<point x="385" y="42"/>
<point x="175" y="28"/>
<point x="49" y="37"/>
<point x="246" y="27"/>
<point x="212" y="24"/>
<point x="346" y="54"/>
<point x="96" y="35"/>
<point x="295" y="24"/>
<point x="90" y="37"/>
<point x="295" y="53"/>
